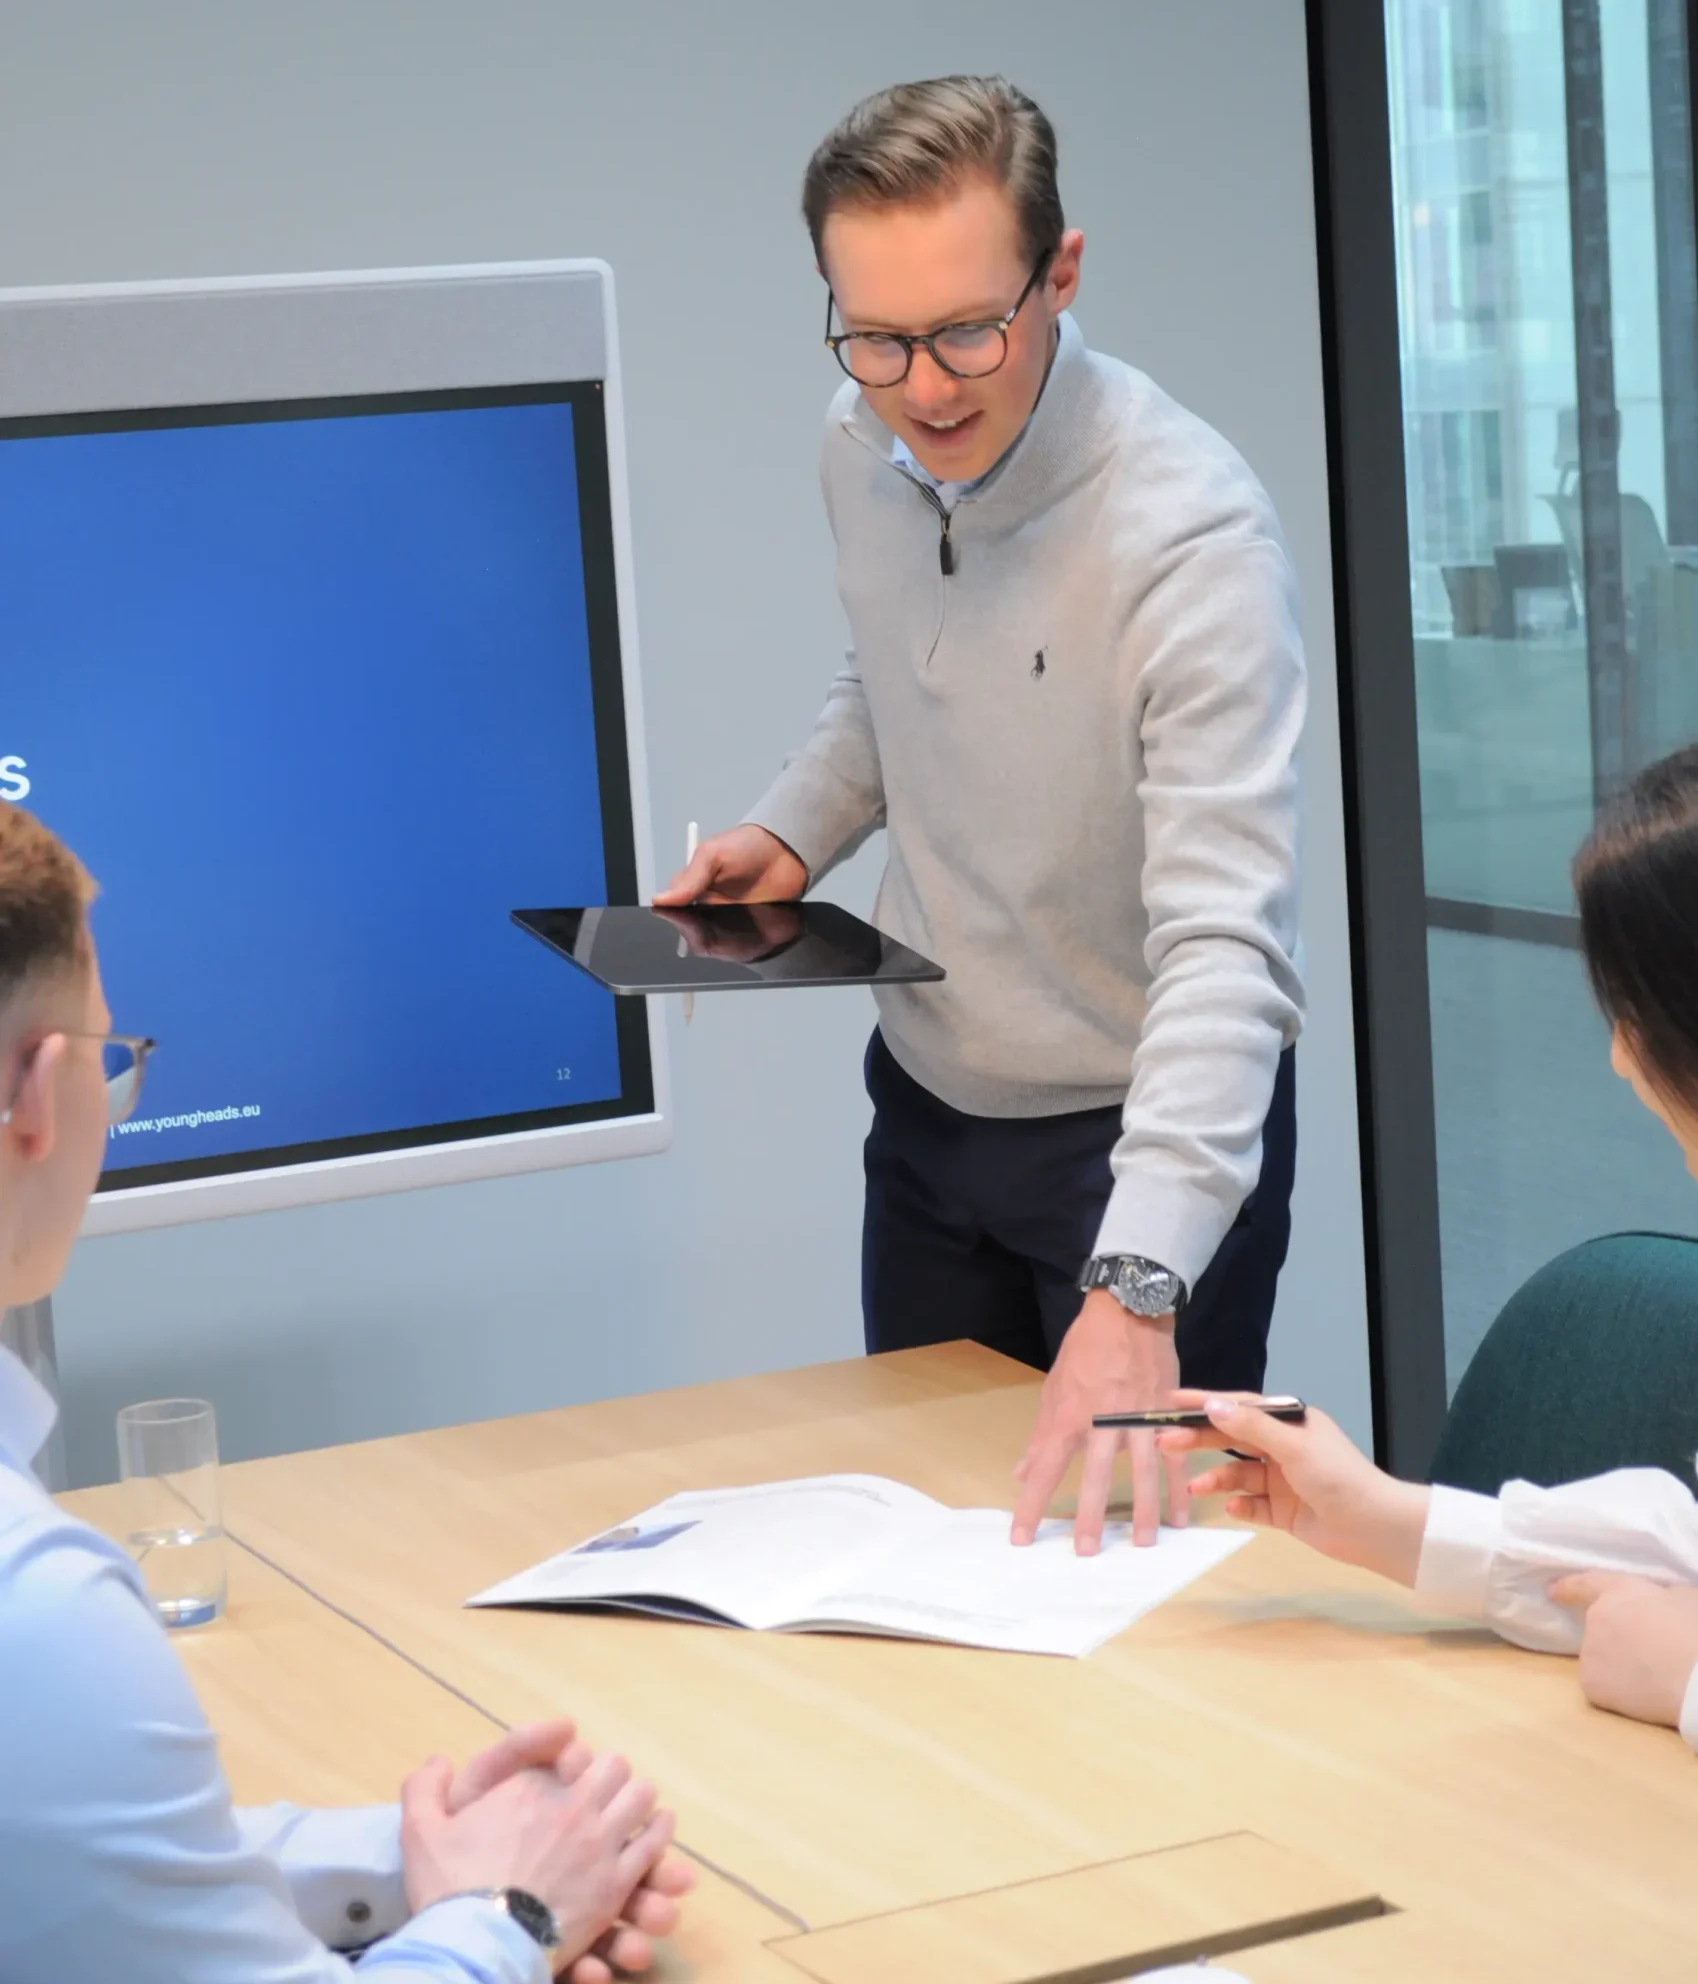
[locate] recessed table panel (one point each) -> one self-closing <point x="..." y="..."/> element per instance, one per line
<point x="1095" y="1924"/>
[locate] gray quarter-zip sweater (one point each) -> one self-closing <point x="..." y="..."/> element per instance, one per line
<point x="1077" y="713"/>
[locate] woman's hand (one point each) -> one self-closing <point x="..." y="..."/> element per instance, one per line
<point x="1640" y="1644"/>
<point x="1308" y="1479"/>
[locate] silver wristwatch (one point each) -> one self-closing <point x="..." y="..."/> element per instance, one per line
<point x="1141" y="1287"/>
<point x="535" y="1917"/>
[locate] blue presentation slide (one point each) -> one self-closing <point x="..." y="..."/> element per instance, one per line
<point x="311" y="699"/>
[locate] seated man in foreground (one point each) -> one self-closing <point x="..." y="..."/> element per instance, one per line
<point x="123" y="1855"/>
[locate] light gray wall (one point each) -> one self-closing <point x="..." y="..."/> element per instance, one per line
<point x="193" y="137"/>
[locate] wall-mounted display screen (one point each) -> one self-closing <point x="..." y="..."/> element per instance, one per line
<point x="320" y="690"/>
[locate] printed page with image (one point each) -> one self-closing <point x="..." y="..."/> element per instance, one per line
<point x="855" y="1553"/>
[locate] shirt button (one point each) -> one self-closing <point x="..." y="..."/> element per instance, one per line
<point x="359" y="1913"/>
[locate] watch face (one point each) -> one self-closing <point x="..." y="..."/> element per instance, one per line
<point x="535" y="1917"/>
<point x="1145" y="1289"/>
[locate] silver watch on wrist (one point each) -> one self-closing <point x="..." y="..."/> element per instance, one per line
<point x="1141" y="1287"/>
<point x="535" y="1917"/>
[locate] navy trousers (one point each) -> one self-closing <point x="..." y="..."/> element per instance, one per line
<point x="977" y="1226"/>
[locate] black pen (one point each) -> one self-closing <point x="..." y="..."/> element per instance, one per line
<point x="1291" y="1409"/>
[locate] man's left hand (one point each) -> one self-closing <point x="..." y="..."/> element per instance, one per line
<point x="1109" y="1361"/>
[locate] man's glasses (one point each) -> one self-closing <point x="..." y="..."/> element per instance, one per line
<point x="964" y="351"/>
<point x="124" y="1062"/>
<point x="123" y="1058"/>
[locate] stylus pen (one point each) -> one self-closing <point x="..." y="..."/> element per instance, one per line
<point x="689" y="856"/>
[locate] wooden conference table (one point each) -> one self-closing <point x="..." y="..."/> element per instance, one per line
<point x="1289" y="1762"/>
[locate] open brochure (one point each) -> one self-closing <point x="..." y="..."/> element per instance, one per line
<point x="854" y="1553"/>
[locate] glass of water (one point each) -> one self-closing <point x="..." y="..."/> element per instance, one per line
<point x="168" y="1462"/>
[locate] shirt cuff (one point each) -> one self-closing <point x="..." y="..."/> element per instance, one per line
<point x="484" y="1939"/>
<point x="1463" y="1536"/>
<point x="1176" y="1226"/>
<point x="1689" y="1712"/>
<point x="342" y="1867"/>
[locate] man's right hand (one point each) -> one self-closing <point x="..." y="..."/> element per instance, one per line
<point x="745" y="865"/>
<point x="584" y="1848"/>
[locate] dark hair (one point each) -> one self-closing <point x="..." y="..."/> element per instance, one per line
<point x="918" y="142"/>
<point x="1636" y="878"/>
<point x="44" y="896"/>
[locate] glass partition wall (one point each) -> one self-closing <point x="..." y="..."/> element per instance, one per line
<point x="1510" y="302"/>
<point x="1548" y="345"/>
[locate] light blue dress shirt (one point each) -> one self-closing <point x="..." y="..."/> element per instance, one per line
<point x="947" y="493"/>
<point x="121" y="1855"/>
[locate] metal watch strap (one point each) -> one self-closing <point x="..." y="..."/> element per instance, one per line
<point x="1143" y="1287"/>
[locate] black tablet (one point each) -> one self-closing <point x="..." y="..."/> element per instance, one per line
<point x="726" y="947"/>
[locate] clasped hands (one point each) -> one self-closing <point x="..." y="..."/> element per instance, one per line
<point x="540" y="1811"/>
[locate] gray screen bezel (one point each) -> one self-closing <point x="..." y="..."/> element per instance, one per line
<point x="126" y="346"/>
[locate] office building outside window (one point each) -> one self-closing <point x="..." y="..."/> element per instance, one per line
<point x="1548" y="334"/>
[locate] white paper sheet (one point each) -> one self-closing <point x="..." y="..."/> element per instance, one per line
<point x="857" y="1553"/>
<point x="962" y="1580"/>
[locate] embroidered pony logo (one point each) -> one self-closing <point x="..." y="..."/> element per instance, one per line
<point x="1038" y="666"/>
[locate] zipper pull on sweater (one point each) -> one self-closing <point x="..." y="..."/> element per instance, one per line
<point x="945" y="550"/>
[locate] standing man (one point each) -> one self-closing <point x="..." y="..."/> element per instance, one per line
<point x="1074" y="701"/>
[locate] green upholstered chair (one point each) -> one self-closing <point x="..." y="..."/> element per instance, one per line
<point x="1593" y="1364"/>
